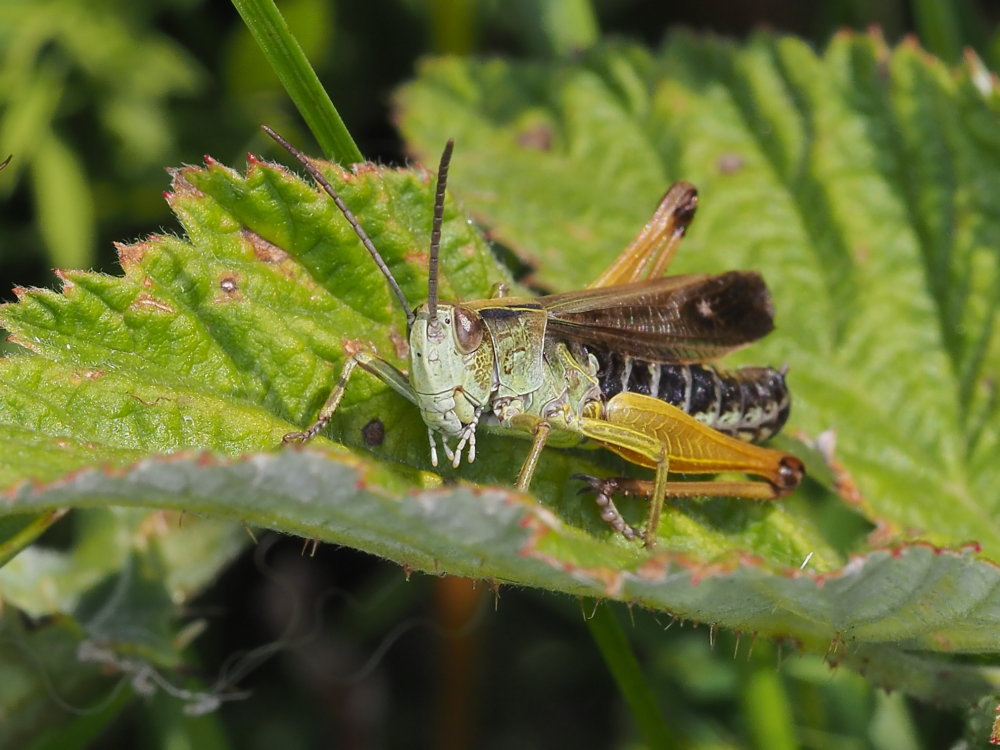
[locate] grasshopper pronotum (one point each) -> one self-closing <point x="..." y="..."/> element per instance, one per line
<point x="618" y="364"/>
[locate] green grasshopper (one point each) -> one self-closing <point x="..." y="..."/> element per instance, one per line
<point x="618" y="364"/>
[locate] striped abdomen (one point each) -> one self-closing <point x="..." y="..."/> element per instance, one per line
<point x="751" y="403"/>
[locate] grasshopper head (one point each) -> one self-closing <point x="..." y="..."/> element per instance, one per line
<point x="451" y="365"/>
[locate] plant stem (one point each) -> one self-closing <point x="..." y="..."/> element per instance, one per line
<point x="624" y="667"/>
<point x="289" y="62"/>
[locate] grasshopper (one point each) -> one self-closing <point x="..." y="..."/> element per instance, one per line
<point x="619" y="364"/>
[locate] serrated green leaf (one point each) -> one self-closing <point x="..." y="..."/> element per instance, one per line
<point x="940" y="600"/>
<point x="221" y="342"/>
<point x="861" y="181"/>
<point x="210" y="343"/>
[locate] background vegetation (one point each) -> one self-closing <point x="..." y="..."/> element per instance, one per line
<point x="337" y="648"/>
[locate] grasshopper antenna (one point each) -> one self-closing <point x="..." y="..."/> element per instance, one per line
<point x="349" y="215"/>
<point x="432" y="266"/>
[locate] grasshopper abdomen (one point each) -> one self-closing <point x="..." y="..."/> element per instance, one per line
<point x="751" y="403"/>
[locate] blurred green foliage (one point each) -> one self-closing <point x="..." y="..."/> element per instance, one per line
<point x="96" y="98"/>
<point x="84" y="87"/>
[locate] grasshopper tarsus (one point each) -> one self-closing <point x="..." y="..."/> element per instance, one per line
<point x="603" y="490"/>
<point x="294" y="438"/>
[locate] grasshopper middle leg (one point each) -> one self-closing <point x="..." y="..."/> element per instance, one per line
<point x="602" y="431"/>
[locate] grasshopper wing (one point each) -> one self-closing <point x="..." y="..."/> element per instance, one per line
<point x="677" y="319"/>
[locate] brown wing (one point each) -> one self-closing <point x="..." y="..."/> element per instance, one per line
<point x="679" y="319"/>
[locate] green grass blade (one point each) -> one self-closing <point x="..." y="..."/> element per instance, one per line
<point x="624" y="667"/>
<point x="285" y="55"/>
<point x="767" y="710"/>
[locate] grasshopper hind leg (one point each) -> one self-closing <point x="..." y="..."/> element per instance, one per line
<point x="652" y="433"/>
<point x="603" y="490"/>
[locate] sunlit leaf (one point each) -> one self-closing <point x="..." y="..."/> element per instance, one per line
<point x="858" y="181"/>
<point x="862" y="182"/>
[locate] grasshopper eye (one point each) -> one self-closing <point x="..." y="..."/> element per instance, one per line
<point x="468" y="330"/>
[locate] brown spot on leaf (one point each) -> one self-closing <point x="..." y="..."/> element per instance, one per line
<point x="179" y="184"/>
<point x="882" y="535"/>
<point x="843" y="482"/>
<point x="373" y="433"/>
<point x="263" y="249"/>
<point x="400" y="344"/>
<point x="536" y="138"/>
<point x="845" y="485"/>
<point x="730" y="163"/>
<point x="417" y="257"/>
<point x="129" y="255"/>
<point x="31" y="346"/>
<point x="353" y="346"/>
<point x="67" y="283"/>
<point x="229" y="285"/>
<point x="146" y="300"/>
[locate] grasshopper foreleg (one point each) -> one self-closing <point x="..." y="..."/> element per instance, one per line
<point x="368" y="362"/>
<point x="432" y="439"/>
<point x="468" y="437"/>
<point x="329" y="407"/>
